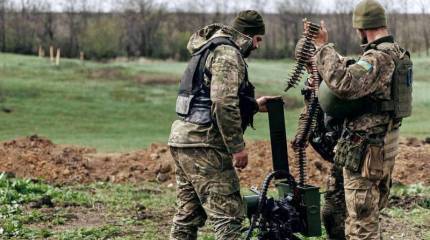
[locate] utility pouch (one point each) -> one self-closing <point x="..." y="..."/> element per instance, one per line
<point x="373" y="165"/>
<point x="200" y="116"/>
<point x="194" y="109"/>
<point x="247" y="104"/>
<point x="183" y="104"/>
<point x="350" y="152"/>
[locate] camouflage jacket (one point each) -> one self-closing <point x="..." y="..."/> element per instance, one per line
<point x="370" y="76"/>
<point x="228" y="70"/>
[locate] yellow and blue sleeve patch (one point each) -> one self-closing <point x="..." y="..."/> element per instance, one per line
<point x="366" y="65"/>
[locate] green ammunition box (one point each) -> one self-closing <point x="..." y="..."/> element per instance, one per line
<point x="310" y="208"/>
<point x="251" y="204"/>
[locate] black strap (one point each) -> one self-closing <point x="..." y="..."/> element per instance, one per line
<point x="199" y="80"/>
<point x="186" y="85"/>
<point x="377" y="107"/>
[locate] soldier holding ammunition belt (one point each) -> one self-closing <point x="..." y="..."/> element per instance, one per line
<point x="373" y="95"/>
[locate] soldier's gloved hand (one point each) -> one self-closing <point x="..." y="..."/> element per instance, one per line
<point x="262" y="102"/>
<point x="240" y="159"/>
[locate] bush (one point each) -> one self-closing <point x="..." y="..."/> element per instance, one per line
<point x="101" y="39"/>
<point x="179" y="46"/>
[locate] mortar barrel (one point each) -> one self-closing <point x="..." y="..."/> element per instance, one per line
<point x="278" y="136"/>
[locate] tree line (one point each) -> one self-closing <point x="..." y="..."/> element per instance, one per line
<point x="145" y="28"/>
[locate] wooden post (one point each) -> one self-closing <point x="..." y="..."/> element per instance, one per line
<point x="57" y="61"/>
<point x="51" y="54"/>
<point x="40" y="52"/>
<point x="82" y="56"/>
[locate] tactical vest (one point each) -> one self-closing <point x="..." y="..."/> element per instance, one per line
<point x="193" y="103"/>
<point x="400" y="104"/>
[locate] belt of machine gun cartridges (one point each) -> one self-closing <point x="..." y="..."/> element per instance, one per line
<point x="306" y="125"/>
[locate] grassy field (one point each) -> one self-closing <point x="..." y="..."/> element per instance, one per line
<point x="123" y="106"/>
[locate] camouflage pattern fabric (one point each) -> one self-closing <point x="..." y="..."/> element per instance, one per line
<point x="366" y="198"/>
<point x="355" y="81"/>
<point x="207" y="184"/>
<point x="334" y="209"/>
<point x="207" y="188"/>
<point x="228" y="70"/>
<point x="371" y="76"/>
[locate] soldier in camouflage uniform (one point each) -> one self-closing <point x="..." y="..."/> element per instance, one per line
<point x="207" y="141"/>
<point x="369" y="142"/>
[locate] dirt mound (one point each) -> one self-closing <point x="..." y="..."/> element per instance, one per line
<point x="151" y="164"/>
<point x="156" y="79"/>
<point x="110" y="73"/>
<point x="411" y="166"/>
<point x="36" y="157"/>
<point x="260" y="163"/>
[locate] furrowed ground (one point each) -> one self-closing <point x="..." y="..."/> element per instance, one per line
<point x="120" y="109"/>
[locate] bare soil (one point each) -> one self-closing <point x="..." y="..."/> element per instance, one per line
<point x="39" y="158"/>
<point x="156" y="79"/>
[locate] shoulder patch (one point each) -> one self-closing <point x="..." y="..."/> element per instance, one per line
<point x="366" y="65"/>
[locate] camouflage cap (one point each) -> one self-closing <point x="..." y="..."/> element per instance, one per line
<point x="369" y="14"/>
<point x="250" y="23"/>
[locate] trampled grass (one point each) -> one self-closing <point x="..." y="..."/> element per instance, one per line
<point x="122" y="106"/>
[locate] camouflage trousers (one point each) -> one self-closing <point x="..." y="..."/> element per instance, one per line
<point x="207" y="188"/>
<point x="353" y="201"/>
<point x="334" y="209"/>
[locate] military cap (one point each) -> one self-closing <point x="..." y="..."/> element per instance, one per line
<point x="250" y="23"/>
<point x="369" y="14"/>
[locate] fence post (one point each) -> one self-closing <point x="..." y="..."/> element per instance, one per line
<point x="57" y="62"/>
<point x="40" y="53"/>
<point x="51" y="54"/>
<point x="82" y="56"/>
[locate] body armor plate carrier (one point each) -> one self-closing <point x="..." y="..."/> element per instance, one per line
<point x="194" y="104"/>
<point x="400" y="104"/>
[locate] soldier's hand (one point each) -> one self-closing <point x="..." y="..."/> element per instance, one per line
<point x="240" y="159"/>
<point x="262" y="102"/>
<point x="322" y="37"/>
<point x="311" y="82"/>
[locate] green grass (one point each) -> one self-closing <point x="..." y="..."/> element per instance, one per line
<point x="16" y="193"/>
<point x="138" y="211"/>
<point x="104" y="106"/>
<point x="66" y="105"/>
